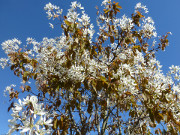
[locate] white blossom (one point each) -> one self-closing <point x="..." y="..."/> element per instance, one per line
<point x="33" y="124"/>
<point x="9" y="89"/>
<point x="51" y="25"/>
<point x="148" y="28"/>
<point x="10" y="46"/>
<point x="104" y="2"/>
<point x="139" y="6"/>
<point x="126" y="23"/>
<point x="53" y="11"/>
<point x="3" y="62"/>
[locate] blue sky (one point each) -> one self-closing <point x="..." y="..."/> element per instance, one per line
<point x="27" y="18"/>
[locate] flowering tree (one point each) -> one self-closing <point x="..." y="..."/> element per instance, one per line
<point x="112" y="84"/>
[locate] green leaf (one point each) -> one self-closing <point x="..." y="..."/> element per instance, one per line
<point x="140" y="15"/>
<point x="12" y="67"/>
<point x="103" y="79"/>
<point x="137" y="47"/>
<point x="27" y="88"/>
<point x="26" y="74"/>
<point x="58" y="103"/>
<point x="55" y="123"/>
<point x="21" y="64"/>
<point x="60" y="122"/>
<point x="90" y="106"/>
<point x="128" y="40"/>
<point x="67" y="23"/>
<point x="112" y="39"/>
<point x="35" y="76"/>
<point x="151" y="116"/>
<point x="12" y="105"/>
<point x="118" y="6"/>
<point x="106" y="11"/>
<point x="86" y="84"/>
<point x="94" y="84"/>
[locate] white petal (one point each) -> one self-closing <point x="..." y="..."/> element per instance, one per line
<point x="25" y="130"/>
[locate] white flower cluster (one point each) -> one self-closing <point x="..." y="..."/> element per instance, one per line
<point x="76" y="14"/>
<point x="35" y="48"/>
<point x="77" y="73"/>
<point x="29" y="118"/>
<point x="105" y="2"/>
<point x="52" y="10"/>
<point x="126" y="23"/>
<point x="10" y="46"/>
<point x="174" y="69"/>
<point x="74" y="5"/>
<point x="175" y="74"/>
<point x="3" y="62"/>
<point x="72" y="14"/>
<point x="9" y="89"/>
<point x="139" y="6"/>
<point x="148" y="28"/>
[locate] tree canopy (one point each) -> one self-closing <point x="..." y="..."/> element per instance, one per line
<point x="104" y="81"/>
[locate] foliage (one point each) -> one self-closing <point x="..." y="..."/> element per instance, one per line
<point x="110" y="85"/>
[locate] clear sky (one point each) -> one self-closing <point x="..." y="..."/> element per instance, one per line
<point x="27" y="18"/>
